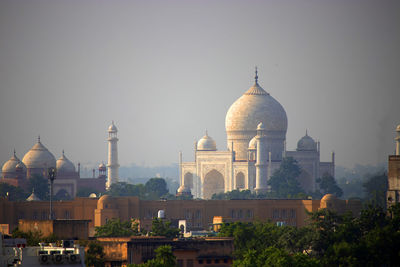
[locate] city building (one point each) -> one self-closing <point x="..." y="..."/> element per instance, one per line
<point x="198" y="214"/>
<point x="253" y="154"/>
<point x="209" y="251"/>
<point x="393" y="193"/>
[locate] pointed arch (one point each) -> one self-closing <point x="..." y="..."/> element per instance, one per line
<point x="240" y="181"/>
<point x="213" y="183"/>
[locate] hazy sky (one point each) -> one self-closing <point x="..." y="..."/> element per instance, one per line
<point x="165" y="71"/>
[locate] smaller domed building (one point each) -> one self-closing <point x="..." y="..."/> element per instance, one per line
<point x="38" y="160"/>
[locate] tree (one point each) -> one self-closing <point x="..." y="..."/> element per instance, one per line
<point x="284" y="181"/>
<point x="40" y="185"/>
<point x="33" y="238"/>
<point x="328" y="185"/>
<point x="235" y="194"/>
<point x="161" y="228"/>
<point x="94" y="256"/>
<point x="375" y="189"/>
<point x="164" y="258"/>
<point x="126" y="189"/>
<point x="156" y="187"/>
<point x="14" y="193"/>
<point x="115" y="227"/>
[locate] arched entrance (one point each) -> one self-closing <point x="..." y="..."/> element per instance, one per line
<point x="240" y="181"/>
<point x="188" y="180"/>
<point x="213" y="183"/>
<point x="62" y="194"/>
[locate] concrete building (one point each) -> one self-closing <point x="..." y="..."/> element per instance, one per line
<point x="198" y="214"/>
<point x="210" y="251"/>
<point x="249" y="161"/>
<point x="393" y="193"/>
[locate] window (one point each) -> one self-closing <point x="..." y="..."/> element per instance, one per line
<point x="233" y="214"/>
<point x="283" y="213"/>
<point x="67" y="214"/>
<point x="275" y="213"/>
<point x="44" y="215"/>
<point x="189" y="263"/>
<point x="200" y="261"/>
<point x="35" y="215"/>
<point x="249" y="214"/>
<point x="292" y="213"/>
<point x="240" y="214"/>
<point x="198" y="214"/>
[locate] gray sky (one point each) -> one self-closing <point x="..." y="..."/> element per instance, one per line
<point x="165" y="71"/>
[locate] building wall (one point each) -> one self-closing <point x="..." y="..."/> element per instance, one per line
<point x="198" y="213"/>
<point x="393" y="193"/>
<point x="63" y="229"/>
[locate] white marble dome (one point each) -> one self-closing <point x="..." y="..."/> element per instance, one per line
<point x="39" y="157"/>
<point x="253" y="143"/>
<point x="253" y="107"/>
<point x="64" y="164"/>
<point x="11" y="164"/>
<point x="206" y="143"/>
<point x="306" y="143"/>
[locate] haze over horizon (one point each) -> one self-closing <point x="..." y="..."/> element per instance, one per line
<point x="165" y="71"/>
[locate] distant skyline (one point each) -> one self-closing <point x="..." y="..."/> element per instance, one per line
<point x="165" y="71"/>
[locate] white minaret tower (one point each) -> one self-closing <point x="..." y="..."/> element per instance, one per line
<point x="261" y="161"/>
<point x="112" y="166"/>
<point x="398" y="140"/>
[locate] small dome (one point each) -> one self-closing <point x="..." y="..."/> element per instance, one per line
<point x="105" y="202"/>
<point x="102" y="166"/>
<point x="306" y="143"/>
<point x="206" y="144"/>
<point x="398" y="128"/>
<point x="20" y="167"/>
<point x="253" y="143"/>
<point x="260" y="127"/>
<point x="33" y="197"/>
<point x="112" y="128"/>
<point x="92" y="195"/>
<point x="64" y="164"/>
<point x="39" y="157"/>
<point x="11" y="164"/>
<point x="328" y="197"/>
<point x="184" y="189"/>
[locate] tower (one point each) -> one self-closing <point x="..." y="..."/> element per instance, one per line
<point x="261" y="161"/>
<point x="112" y="165"/>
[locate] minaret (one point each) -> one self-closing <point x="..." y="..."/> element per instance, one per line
<point x="112" y="165"/>
<point x="261" y="163"/>
<point x="398" y="141"/>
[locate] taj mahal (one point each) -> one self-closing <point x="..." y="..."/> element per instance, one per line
<point x="256" y="126"/>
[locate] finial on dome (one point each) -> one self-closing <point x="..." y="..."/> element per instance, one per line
<point x="256" y="76"/>
<point x="14" y="152"/>
<point x="63" y="152"/>
<point x="306" y="132"/>
<point x="206" y="132"/>
<point x="38" y="139"/>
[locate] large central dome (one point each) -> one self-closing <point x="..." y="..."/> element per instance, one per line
<point x="253" y="107"/>
<point x="39" y="157"/>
